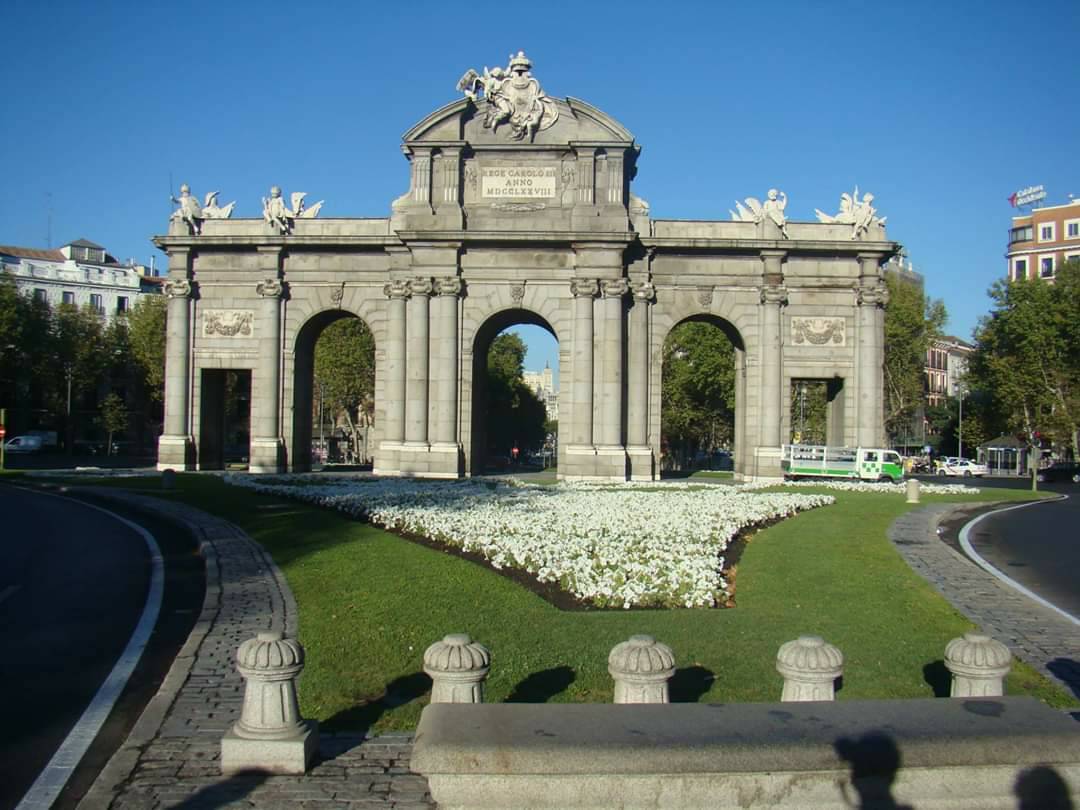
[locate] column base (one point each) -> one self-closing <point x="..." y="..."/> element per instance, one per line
<point x="641" y="463"/>
<point x="289" y="756"/>
<point x="266" y="456"/>
<point x="587" y="463"/>
<point x="388" y="458"/>
<point x="176" y="453"/>
<point x="766" y="465"/>
<point x="423" y="460"/>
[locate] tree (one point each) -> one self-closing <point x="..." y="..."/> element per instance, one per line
<point x="345" y="374"/>
<point x="809" y="409"/>
<point x="79" y="360"/>
<point x="113" y="418"/>
<point x="515" y="415"/>
<point x="1026" y="356"/>
<point x="911" y="321"/>
<point x="146" y="333"/>
<point x="698" y="399"/>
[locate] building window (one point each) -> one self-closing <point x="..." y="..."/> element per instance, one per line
<point x="95" y="303"/>
<point x="69" y="298"/>
<point x="1046" y="266"/>
<point x="1072" y="229"/>
<point x="1022" y="234"/>
<point x="1019" y="269"/>
<point x="40" y="295"/>
<point x="1046" y="232"/>
<point x="121" y="304"/>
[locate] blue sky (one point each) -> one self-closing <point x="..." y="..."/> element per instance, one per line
<point x="941" y="110"/>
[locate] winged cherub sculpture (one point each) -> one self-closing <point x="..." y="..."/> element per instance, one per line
<point x="756" y="211"/>
<point x="280" y="216"/>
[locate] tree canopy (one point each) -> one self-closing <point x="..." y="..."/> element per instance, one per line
<point x="1027" y="360"/>
<point x="912" y="320"/>
<point x="146" y="336"/>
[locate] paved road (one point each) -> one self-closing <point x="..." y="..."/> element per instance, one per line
<point x="73" y="582"/>
<point x="1038" y="547"/>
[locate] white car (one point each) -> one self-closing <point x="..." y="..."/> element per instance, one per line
<point x="962" y="466"/>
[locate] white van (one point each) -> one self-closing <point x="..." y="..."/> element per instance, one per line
<point x="23" y="444"/>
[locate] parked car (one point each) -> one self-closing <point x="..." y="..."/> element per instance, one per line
<point x="962" y="466"/>
<point x="1061" y="471"/>
<point x="23" y="444"/>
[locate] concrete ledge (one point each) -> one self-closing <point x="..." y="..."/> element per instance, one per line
<point x="928" y="753"/>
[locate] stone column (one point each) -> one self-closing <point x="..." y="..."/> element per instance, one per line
<point x="175" y="445"/>
<point x="637" y="383"/>
<point x="611" y="390"/>
<point x="416" y="388"/>
<point x="444" y="351"/>
<point x="394" y="429"/>
<point x="773" y="298"/>
<point x="871" y="297"/>
<point x="584" y="291"/>
<point x="266" y="385"/>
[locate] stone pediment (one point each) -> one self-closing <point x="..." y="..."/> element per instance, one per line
<point x="577" y="122"/>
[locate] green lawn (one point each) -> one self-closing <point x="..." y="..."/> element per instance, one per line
<point x="370" y="603"/>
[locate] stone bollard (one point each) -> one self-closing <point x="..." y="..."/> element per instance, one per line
<point x="978" y="665"/>
<point x="270" y="734"/>
<point x="641" y="668"/>
<point x="457" y="666"/>
<point x="912" y="490"/>
<point x="810" y="667"/>
<point x="168" y="479"/>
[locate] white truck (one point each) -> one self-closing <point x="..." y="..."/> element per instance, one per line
<point x="859" y="463"/>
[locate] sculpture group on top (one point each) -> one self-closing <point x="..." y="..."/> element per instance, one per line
<point x="859" y="214"/>
<point x="275" y="212"/>
<point x="193" y="214"/>
<point x="772" y="209"/>
<point x="856" y="212"/>
<point x="511" y="95"/>
<point x="280" y="216"/>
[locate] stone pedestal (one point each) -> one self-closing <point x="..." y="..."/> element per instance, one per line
<point x="810" y="668"/>
<point x="978" y="665"/>
<point x="457" y="666"/>
<point x="270" y="734"/>
<point x="641" y="668"/>
<point x="912" y="491"/>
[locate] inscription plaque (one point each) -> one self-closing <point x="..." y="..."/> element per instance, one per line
<point x="515" y="182"/>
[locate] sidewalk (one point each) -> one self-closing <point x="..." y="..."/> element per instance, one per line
<point x="1033" y="633"/>
<point x="171" y="757"/>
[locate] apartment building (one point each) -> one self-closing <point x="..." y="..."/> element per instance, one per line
<point x="1041" y="240"/>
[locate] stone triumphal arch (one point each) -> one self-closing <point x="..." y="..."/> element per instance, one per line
<point x="519" y="208"/>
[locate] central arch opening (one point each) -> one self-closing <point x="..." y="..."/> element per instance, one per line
<point x="700" y="391"/>
<point x="515" y="394"/>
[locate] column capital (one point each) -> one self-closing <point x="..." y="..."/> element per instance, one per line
<point x="614" y="288"/>
<point x="774" y="294"/>
<point x="270" y="288"/>
<point x="420" y="286"/>
<point x="872" y="295"/>
<point x="583" y="287"/>
<point x="643" y="291"/>
<point x="448" y="285"/>
<point x="177" y="288"/>
<point x="396" y="289"/>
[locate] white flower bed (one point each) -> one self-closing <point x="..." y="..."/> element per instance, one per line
<point x="869" y="486"/>
<point x="608" y="545"/>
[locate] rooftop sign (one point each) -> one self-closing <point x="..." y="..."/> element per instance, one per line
<point x="1027" y="196"/>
